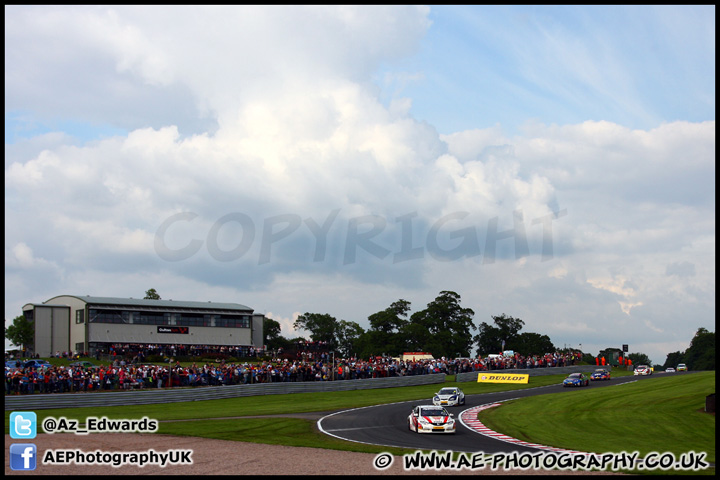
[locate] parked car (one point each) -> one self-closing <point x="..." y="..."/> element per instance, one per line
<point x="600" y="374"/>
<point x="642" y="370"/>
<point x="83" y="364"/>
<point x="682" y="367"/>
<point x="576" y="380"/>
<point x="37" y="364"/>
<point x="14" y="363"/>
<point x="449" y="396"/>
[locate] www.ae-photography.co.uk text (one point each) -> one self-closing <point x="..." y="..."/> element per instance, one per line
<point x="408" y="237"/>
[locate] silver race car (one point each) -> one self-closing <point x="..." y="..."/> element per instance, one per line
<point x="449" y="397"/>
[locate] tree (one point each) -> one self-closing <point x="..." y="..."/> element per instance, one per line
<point x="152" y="295"/>
<point x="322" y="327"/>
<point x="639" y="359"/>
<point x="701" y="354"/>
<point x="491" y="339"/>
<point x="386" y="330"/>
<point x="673" y="359"/>
<point x="341" y="335"/>
<point x="348" y="337"/>
<point x="21" y="332"/>
<point x="390" y="320"/>
<point x="416" y="337"/>
<point x="445" y="328"/>
<point x="588" y="358"/>
<point x="273" y="340"/>
<point x="530" y="343"/>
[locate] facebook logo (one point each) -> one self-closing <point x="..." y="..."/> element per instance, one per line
<point x="23" y="456"/>
<point x="23" y="425"/>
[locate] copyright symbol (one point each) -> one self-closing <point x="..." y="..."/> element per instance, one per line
<point x="49" y="425"/>
<point x="383" y="461"/>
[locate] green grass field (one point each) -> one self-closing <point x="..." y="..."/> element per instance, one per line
<point x="661" y="414"/>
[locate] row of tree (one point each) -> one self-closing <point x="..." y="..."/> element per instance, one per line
<point x="444" y="328"/>
<point x="700" y="355"/>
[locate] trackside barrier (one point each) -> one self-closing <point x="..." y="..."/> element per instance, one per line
<point x="190" y="394"/>
<point x="533" y="372"/>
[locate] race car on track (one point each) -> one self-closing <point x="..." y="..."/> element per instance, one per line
<point x="576" y="380"/>
<point x="431" y="419"/>
<point x="642" y="370"/>
<point x="449" y="396"/>
<point x="600" y="374"/>
<point x="682" y="367"/>
<point x="669" y="370"/>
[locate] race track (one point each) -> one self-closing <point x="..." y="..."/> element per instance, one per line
<point x="386" y="425"/>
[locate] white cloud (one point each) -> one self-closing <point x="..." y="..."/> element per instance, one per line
<point x="21" y="256"/>
<point x="210" y="59"/>
<point x="681" y="269"/>
<point x="582" y="230"/>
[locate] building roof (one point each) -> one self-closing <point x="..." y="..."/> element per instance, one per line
<point x="44" y="305"/>
<point x="155" y="304"/>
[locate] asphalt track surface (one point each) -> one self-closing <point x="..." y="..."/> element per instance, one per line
<point x="386" y="425"/>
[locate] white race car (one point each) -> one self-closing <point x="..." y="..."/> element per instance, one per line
<point x="431" y="419"/>
<point x="449" y="396"/>
<point x="643" y="370"/>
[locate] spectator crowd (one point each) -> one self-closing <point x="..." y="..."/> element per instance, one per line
<point x="311" y="361"/>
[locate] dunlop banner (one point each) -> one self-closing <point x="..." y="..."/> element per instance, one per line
<point x="503" y="377"/>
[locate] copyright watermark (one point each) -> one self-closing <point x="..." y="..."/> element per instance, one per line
<point x="118" y="459"/>
<point x="383" y="461"/>
<point x="99" y="425"/>
<point x="574" y="461"/>
<point x="398" y="239"/>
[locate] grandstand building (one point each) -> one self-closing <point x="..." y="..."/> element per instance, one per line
<point x="93" y="324"/>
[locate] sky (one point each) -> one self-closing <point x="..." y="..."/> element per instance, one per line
<point x="554" y="164"/>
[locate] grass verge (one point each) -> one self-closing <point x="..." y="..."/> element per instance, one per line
<point x="662" y="414"/>
<point x="614" y="419"/>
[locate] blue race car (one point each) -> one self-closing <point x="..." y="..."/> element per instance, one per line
<point x="576" y="380"/>
<point x="600" y="374"/>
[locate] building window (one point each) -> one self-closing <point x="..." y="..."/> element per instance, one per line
<point x="106" y="316"/>
<point x="192" y="320"/>
<point x="198" y="320"/>
<point x="164" y="318"/>
<point x="150" y="318"/>
<point x="233" y="321"/>
<point x="80" y="316"/>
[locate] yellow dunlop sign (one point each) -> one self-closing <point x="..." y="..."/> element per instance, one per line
<point x="503" y="377"/>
